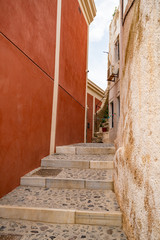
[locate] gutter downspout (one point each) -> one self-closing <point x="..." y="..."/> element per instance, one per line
<point x="85" y="120"/>
<point x="56" y="78"/>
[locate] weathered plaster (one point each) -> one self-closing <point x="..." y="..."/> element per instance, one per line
<point x="114" y="87"/>
<point x="137" y="160"/>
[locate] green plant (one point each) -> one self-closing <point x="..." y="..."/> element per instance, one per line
<point x="107" y="112"/>
<point x="115" y="11"/>
<point x="101" y="125"/>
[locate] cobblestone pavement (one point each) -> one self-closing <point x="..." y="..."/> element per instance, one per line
<point x="10" y="237"/>
<point x="77" y="199"/>
<point x="108" y="157"/>
<point x="73" y="173"/>
<point x="89" y="174"/>
<point x="41" y="231"/>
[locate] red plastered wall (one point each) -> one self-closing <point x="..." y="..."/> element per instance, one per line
<point x="25" y="115"/>
<point x="98" y="103"/>
<point x="31" y="25"/>
<point x="70" y="120"/>
<point x="89" y="117"/>
<point x="26" y="91"/>
<point x="72" y="78"/>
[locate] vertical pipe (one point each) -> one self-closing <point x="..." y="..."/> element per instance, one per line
<point x="56" y="77"/>
<point x="93" y="116"/>
<point x="85" y="120"/>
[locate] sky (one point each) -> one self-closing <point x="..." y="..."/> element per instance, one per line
<point x="99" y="41"/>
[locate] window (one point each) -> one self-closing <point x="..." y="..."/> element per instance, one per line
<point x="112" y="114"/>
<point x="116" y="50"/>
<point x="118" y="107"/>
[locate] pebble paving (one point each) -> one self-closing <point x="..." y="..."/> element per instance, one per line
<point x="70" y="173"/>
<point x="89" y="174"/>
<point x="40" y="231"/>
<point x="10" y="237"/>
<point x="108" y="157"/>
<point x="77" y="199"/>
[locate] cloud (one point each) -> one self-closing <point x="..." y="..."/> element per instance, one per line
<point x="105" y="10"/>
<point x="99" y="41"/>
<point x="97" y="76"/>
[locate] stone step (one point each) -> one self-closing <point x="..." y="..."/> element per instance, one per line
<point x="42" y="231"/>
<point x="105" y="137"/>
<point x="69" y="178"/>
<point x="79" y="161"/>
<point x="97" y="140"/>
<point x="86" y="149"/>
<point x="98" y="134"/>
<point x="67" y="206"/>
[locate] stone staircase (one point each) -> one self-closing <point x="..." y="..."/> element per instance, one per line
<point x="98" y="137"/>
<point x="102" y="137"/>
<point x="72" y="192"/>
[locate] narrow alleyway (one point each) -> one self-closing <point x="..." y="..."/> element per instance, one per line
<point x="70" y="197"/>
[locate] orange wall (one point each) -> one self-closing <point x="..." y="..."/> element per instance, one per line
<point x="89" y="117"/>
<point x="70" y="120"/>
<point x="73" y="51"/>
<point x="97" y="102"/>
<point x="31" y="25"/>
<point x="25" y="115"/>
<point x="73" y="56"/>
<point x="26" y="91"/>
<point x="26" y="85"/>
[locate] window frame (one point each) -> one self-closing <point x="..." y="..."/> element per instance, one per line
<point x="112" y="114"/>
<point x="118" y="106"/>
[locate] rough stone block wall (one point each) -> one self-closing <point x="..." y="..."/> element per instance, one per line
<point x="137" y="159"/>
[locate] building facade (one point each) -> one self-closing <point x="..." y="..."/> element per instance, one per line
<point x="42" y="81"/>
<point x="113" y="76"/>
<point x="95" y="97"/>
<point x="137" y="159"/>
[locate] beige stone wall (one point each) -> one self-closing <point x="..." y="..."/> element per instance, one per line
<point x="113" y="94"/>
<point x="137" y="160"/>
<point x="114" y="87"/>
<point x="114" y="30"/>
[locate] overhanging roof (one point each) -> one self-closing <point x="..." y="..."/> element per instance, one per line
<point x="99" y="91"/>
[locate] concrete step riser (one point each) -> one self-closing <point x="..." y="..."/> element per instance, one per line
<point x="65" y="164"/>
<point x="61" y="216"/>
<point x="95" y="151"/>
<point x="66" y="183"/>
<point x="101" y="165"/>
<point x="78" y="164"/>
<point x="99" y="218"/>
<point x="85" y="150"/>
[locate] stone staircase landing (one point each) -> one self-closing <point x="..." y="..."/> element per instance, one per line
<point x="73" y="186"/>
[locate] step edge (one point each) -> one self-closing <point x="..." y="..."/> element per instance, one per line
<point x="65" y="179"/>
<point x="81" y="183"/>
<point x="116" y="213"/>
